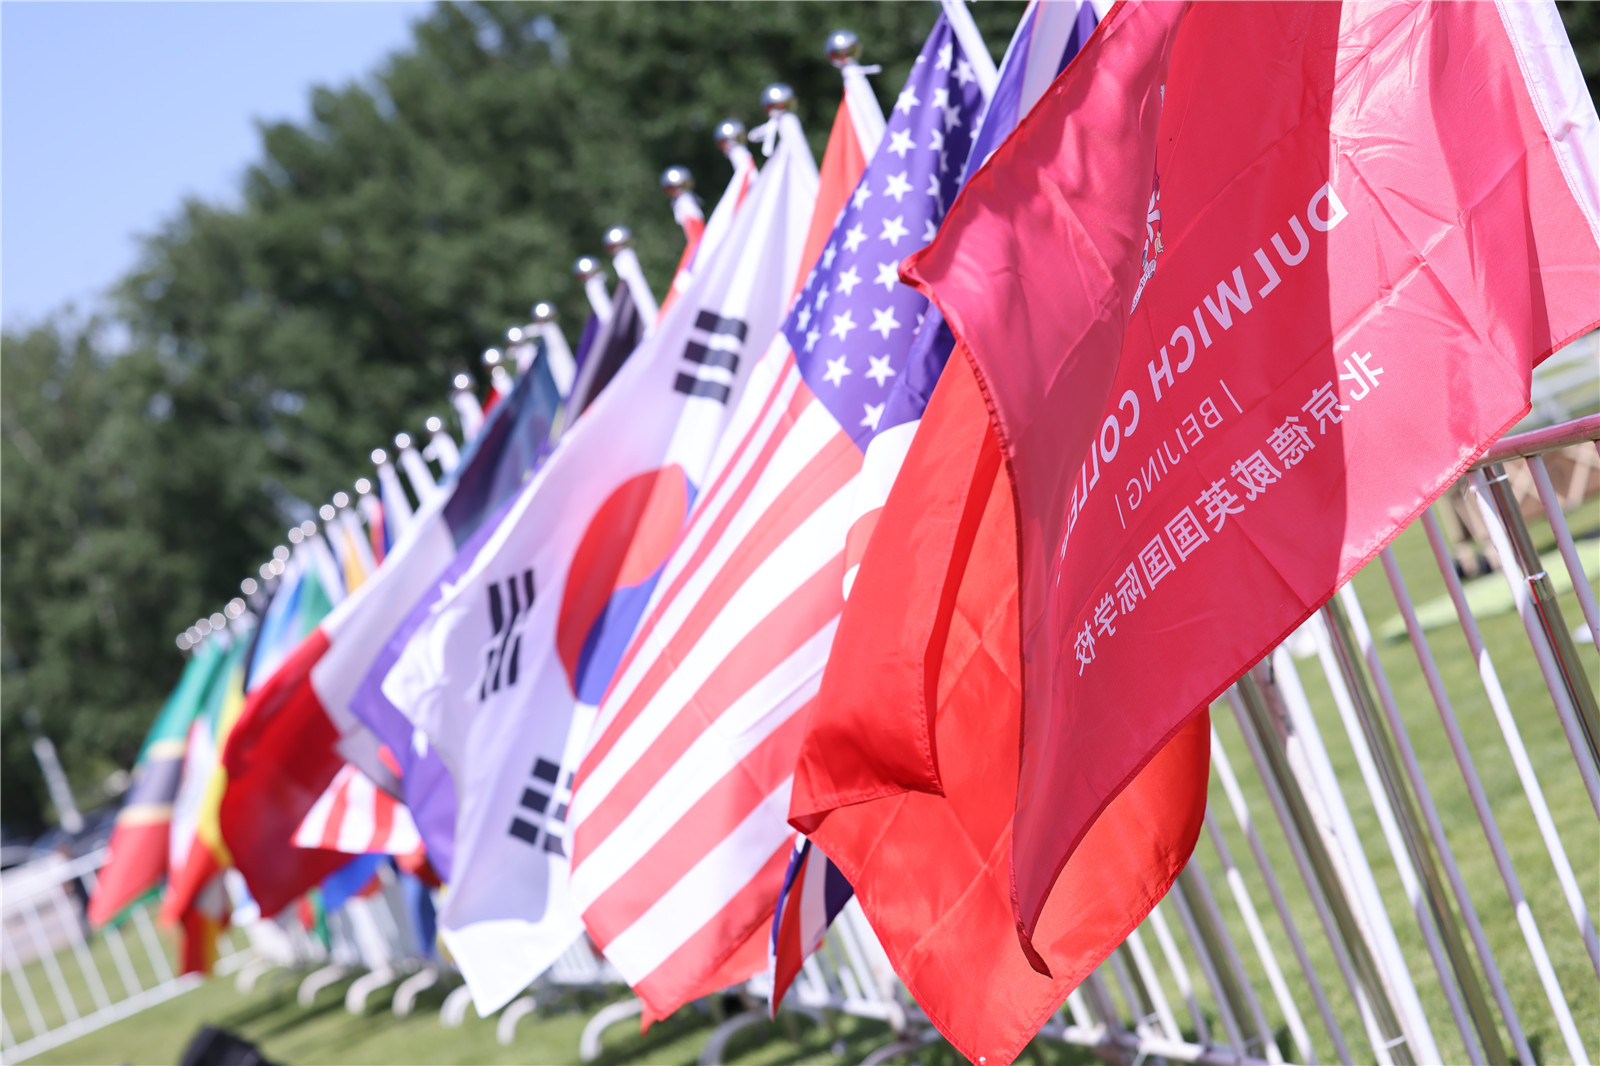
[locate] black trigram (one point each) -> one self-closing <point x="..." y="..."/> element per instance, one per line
<point x="713" y="361"/>
<point x="509" y="602"/>
<point x="543" y="806"/>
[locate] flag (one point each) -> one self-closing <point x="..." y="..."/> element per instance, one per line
<point x="429" y="790"/>
<point x="813" y="894"/>
<point x="353" y="815"/>
<point x="681" y="803"/>
<point x="513" y="657"/>
<point x="616" y="339"/>
<point x="136" y="859"/>
<point x="1143" y="216"/>
<point x="299" y="730"/>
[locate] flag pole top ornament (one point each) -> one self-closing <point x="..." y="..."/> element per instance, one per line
<point x="492" y="358"/>
<point x="730" y="134"/>
<point x="434" y="424"/>
<point x="675" y="181"/>
<point x="586" y="267"/>
<point x="248" y="586"/>
<point x="327" y="512"/>
<point x="379" y="457"/>
<point x="402" y="440"/>
<point x="203" y="626"/>
<point x="544" y="311"/>
<point x="280" y="554"/>
<point x="183" y="641"/>
<point x="234" y="609"/>
<point x="309" y="527"/>
<point x="218" y="621"/>
<point x="514" y="335"/>
<point x="461" y="383"/>
<point x="777" y="97"/>
<point x="341" y="499"/>
<point x="617" y="238"/>
<point x="295" y="536"/>
<point x="843" y="48"/>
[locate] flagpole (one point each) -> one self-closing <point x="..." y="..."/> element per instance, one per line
<point x="972" y="46"/>
<point x="416" y="468"/>
<point x="441" y="446"/>
<point x="466" y="405"/>
<point x="396" y="507"/>
<point x="557" y="353"/>
<point x="619" y="245"/>
<point x="731" y="140"/>
<point x="592" y="273"/>
<point x="866" y="114"/>
<point x="494" y="361"/>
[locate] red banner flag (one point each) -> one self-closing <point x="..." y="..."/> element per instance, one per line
<point x="1298" y="297"/>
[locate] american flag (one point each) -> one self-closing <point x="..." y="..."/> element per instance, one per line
<point x="681" y="837"/>
<point x="355" y="816"/>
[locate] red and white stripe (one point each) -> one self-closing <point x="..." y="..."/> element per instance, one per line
<point x="680" y="807"/>
<point x="355" y="816"/>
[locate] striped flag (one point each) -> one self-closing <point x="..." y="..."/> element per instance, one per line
<point x="504" y="674"/>
<point x="357" y="817"/>
<point x="813" y="894"/>
<point x="680" y="805"/>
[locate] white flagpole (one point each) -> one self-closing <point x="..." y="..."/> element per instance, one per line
<point x="466" y="405"/>
<point x="397" y="508"/>
<point x="563" y="366"/>
<point x="441" y="446"/>
<point x="966" y="31"/>
<point x="416" y="468"/>
<point x="619" y="245"/>
<point x="866" y="114"/>
<point x="592" y="273"/>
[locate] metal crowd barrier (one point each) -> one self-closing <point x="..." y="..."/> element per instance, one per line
<point x="62" y="980"/>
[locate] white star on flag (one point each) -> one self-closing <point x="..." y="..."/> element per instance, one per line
<point x="952" y="116"/>
<point x="933" y="186"/>
<point x="897" y="186"/>
<point x="964" y="72"/>
<point x="827" y="257"/>
<point x="900" y="142"/>
<point x="884" y="322"/>
<point x="893" y="229"/>
<point x="908" y="100"/>
<point x="888" y="275"/>
<point x="835" y="374"/>
<point x="944" y="57"/>
<point x="847" y="282"/>
<point x="941" y="98"/>
<point x="880" y="371"/>
<point x="930" y="231"/>
<point x="854" y="236"/>
<point x="862" y="193"/>
<point x="822" y="297"/>
<point x="842" y="325"/>
<point x="803" y="317"/>
<point x="812" y="336"/>
<point x="936" y="139"/>
<point x="874" y="413"/>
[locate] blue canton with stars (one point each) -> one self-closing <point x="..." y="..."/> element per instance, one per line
<point x="852" y="325"/>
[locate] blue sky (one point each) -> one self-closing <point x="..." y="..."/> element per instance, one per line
<point x="111" y="113"/>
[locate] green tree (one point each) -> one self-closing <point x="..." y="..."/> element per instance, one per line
<point x="377" y="249"/>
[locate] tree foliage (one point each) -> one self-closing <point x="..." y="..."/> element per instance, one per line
<point x="377" y="248"/>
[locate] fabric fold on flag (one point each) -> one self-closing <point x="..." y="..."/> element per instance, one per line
<point x="1278" y="385"/>
<point x="680" y="807"/>
<point x="502" y="676"/>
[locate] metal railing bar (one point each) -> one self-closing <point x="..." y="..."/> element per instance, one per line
<point x="1401" y="739"/>
<point x="119" y="950"/>
<point x="1486" y="818"/>
<point x="1180" y="972"/>
<point x="80" y="951"/>
<point x="1431" y="911"/>
<point x="152" y="946"/>
<point x="19" y="980"/>
<point x="1558" y="681"/>
<point x="52" y="969"/>
<point x="1241" y="813"/>
<point x="1208" y="967"/>
<point x="1513" y="738"/>
<point x="1351" y="951"/>
<point x="1547" y="439"/>
<point x="1152" y="983"/>
<point x="1263" y="947"/>
<point x="1569" y="550"/>
<point x="1140" y="1010"/>
<point x="1236" y="979"/>
<point x="1350" y="866"/>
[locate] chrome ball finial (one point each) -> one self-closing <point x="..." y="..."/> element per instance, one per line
<point x="676" y="180"/>
<point x="462" y="382"/>
<point x="308" y="527"/>
<point x="730" y="132"/>
<point x="777" y="97"/>
<point x="402" y="441"/>
<point x="434" y="424"/>
<point x="248" y="586"/>
<point x="844" y="48"/>
<point x="492" y="358"/>
<point x="296" y="535"/>
<point x="617" y="238"/>
<point x="514" y="335"/>
<point x="379" y="457"/>
<point x="327" y="512"/>
<point x="341" y="499"/>
<point x="363" y="486"/>
<point x="544" y="311"/>
<point x="587" y="267"/>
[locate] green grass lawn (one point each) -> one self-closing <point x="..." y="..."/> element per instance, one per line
<point x="326" y="1033"/>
